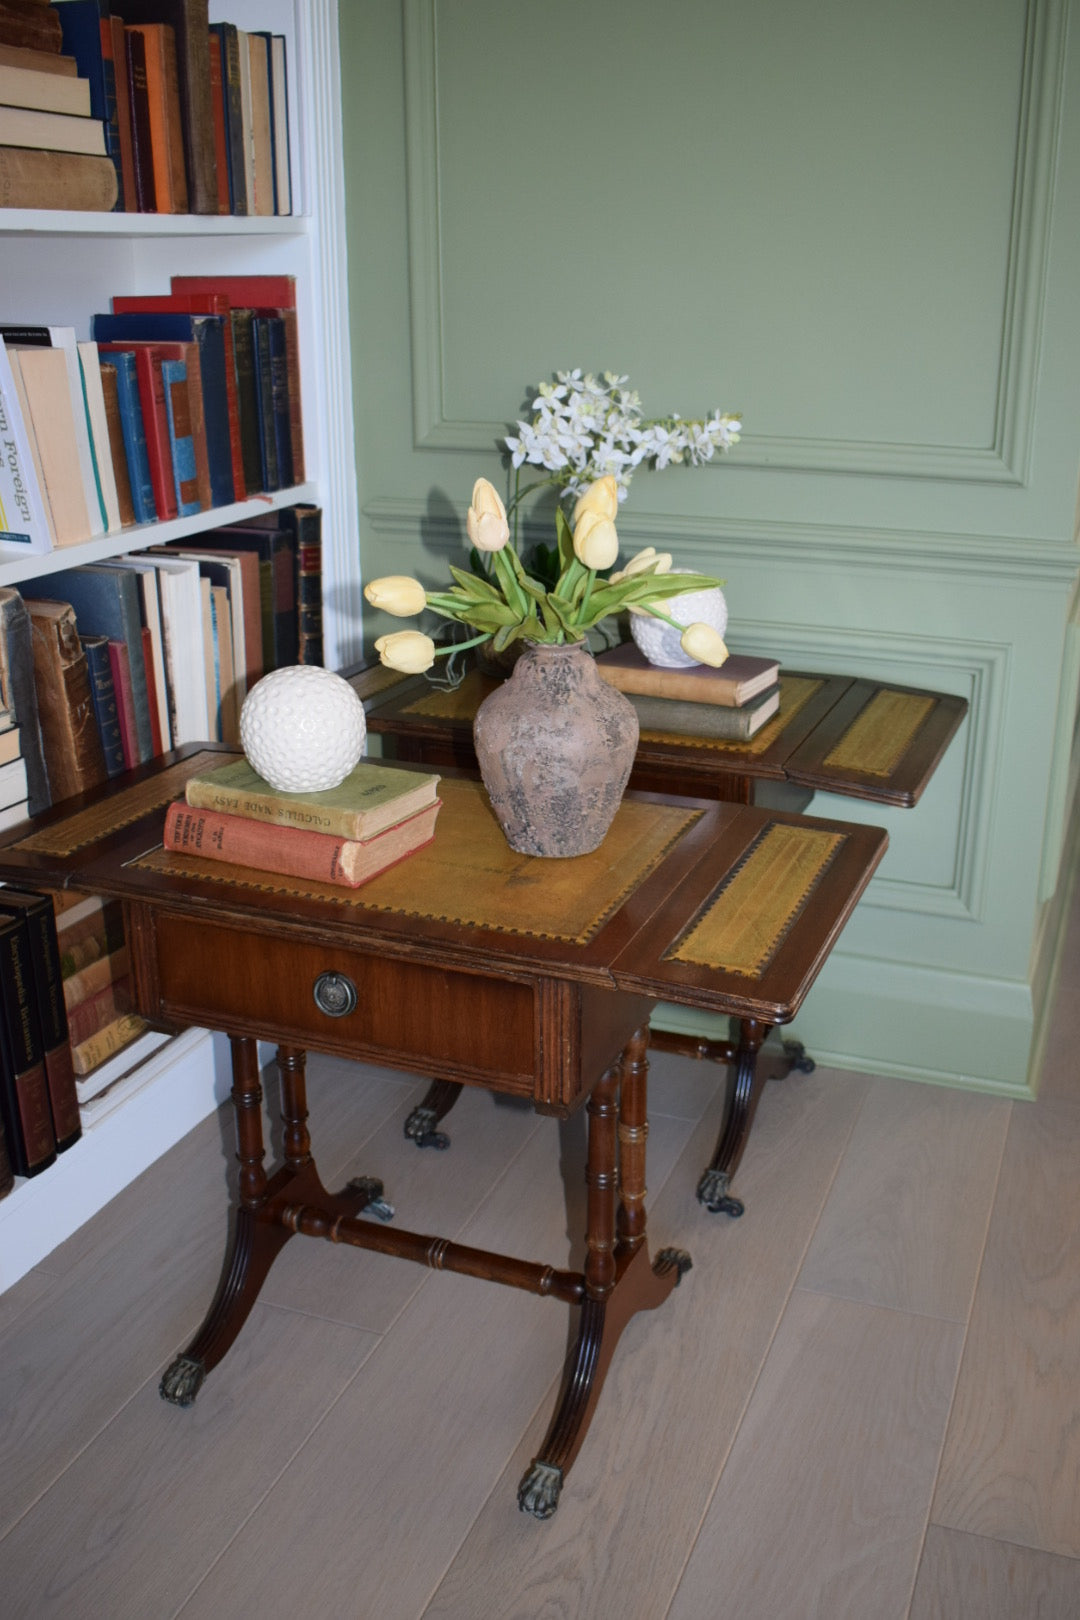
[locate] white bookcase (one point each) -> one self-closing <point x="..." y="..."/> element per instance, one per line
<point x="60" y="268"/>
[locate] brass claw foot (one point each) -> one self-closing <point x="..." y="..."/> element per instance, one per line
<point x="797" y="1057"/>
<point x="712" y="1191"/>
<point x="420" y="1128"/>
<point x="672" y="1259"/>
<point x="538" y="1492"/>
<point x="370" y="1190"/>
<point x="181" y="1380"/>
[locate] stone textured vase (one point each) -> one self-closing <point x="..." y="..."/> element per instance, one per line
<point x="555" y="744"/>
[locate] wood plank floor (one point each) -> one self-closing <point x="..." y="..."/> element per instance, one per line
<point x="863" y="1402"/>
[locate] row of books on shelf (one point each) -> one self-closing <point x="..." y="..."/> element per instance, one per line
<point x="148" y="108"/>
<point x="69" y="1037"/>
<point x="177" y="403"/>
<point x="729" y="704"/>
<point x="107" y="665"/>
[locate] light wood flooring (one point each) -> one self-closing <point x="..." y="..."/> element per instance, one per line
<point x="862" y="1403"/>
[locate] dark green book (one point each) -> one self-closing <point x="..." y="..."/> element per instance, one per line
<point x="706" y="720"/>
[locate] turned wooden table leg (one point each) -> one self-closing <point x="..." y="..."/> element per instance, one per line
<point x="619" y="1278"/>
<point x="257" y="1239"/>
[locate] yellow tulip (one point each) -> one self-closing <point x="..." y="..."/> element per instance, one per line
<point x="596" y="543"/>
<point x="397" y="594"/>
<point x="701" y="641"/>
<point x="601" y="497"/>
<point x="658" y="561"/>
<point x="409" y="651"/>
<point x="485" y="522"/>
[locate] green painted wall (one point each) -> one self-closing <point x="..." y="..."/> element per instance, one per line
<point x="859" y="224"/>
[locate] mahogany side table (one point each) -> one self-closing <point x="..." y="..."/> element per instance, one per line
<point x="481" y="967"/>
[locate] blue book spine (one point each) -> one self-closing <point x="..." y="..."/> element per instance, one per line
<point x="279" y="391"/>
<point x="181" y="437"/>
<point x="81" y="22"/>
<point x="131" y="425"/>
<point x="264" y="396"/>
<point x="208" y="332"/>
<point x="103" y="697"/>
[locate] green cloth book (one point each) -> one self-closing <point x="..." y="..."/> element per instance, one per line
<point x="371" y="797"/>
<point x="672" y="717"/>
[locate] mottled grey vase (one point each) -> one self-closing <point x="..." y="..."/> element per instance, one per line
<point x="555" y="744"/>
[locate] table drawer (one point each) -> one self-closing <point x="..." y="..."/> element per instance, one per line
<point x="330" y="998"/>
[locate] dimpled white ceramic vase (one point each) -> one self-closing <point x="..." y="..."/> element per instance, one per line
<point x="660" y="643"/>
<point x="303" y="729"/>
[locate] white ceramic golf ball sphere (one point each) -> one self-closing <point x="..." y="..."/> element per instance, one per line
<point x="660" y="643"/>
<point x="302" y="729"/>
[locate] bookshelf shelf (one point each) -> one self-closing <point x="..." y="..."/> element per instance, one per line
<point x="136" y="253"/>
<point x="14" y="567"/>
<point x="63" y="222"/>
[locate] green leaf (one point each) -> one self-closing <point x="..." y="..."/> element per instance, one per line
<point x="565" y="539"/>
<point x="475" y="588"/>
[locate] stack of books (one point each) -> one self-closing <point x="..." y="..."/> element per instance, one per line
<point x="346" y="835"/>
<point x="153" y="110"/>
<point x="53" y="146"/>
<point x="96" y="980"/>
<point x="729" y="703"/>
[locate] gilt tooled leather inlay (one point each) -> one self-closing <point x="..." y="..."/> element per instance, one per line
<point x="470" y="876"/>
<point x="879" y="737"/>
<point x="111" y="815"/>
<point x="459" y="703"/>
<point x="750" y="915"/>
<point x="795" y="694"/>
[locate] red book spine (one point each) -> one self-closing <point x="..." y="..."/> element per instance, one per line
<point x="155" y="423"/>
<point x="87" y="1017"/>
<point x="125" y="702"/>
<point x="278" y="292"/>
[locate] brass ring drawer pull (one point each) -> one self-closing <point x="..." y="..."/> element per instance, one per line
<point x="335" y="995"/>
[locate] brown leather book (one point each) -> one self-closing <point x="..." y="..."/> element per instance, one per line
<point x="262" y="147"/>
<point x="738" y="679"/>
<point x="163" y="109"/>
<point x="221" y="132"/>
<point x="190" y="24"/>
<point x="118" y="40"/>
<point x="30" y="24"/>
<point x="38" y="61"/>
<point x="41" y="179"/>
<point x="72" y="742"/>
<point x="116" y="445"/>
